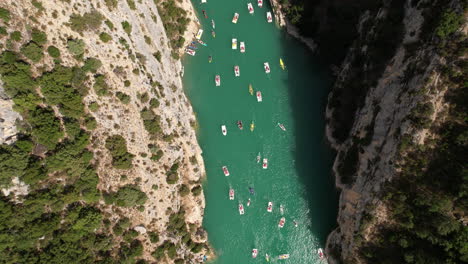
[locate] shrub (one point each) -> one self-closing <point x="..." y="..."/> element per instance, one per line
<point x="117" y="146"/>
<point x="39" y="37"/>
<point x="100" y="85"/>
<point x="147" y="40"/>
<point x="4" y="14"/>
<point x="3" y="31"/>
<point x="32" y="51"/>
<point x="46" y="127"/>
<point x="93" y="106"/>
<point x="111" y="4"/>
<point x="15" y="36"/>
<point x="127" y="27"/>
<point x="124" y="98"/>
<point x="127" y="196"/>
<point x="131" y="4"/>
<point x="183" y="190"/>
<point x="91" y="65"/>
<point x="109" y="24"/>
<point x="87" y="22"/>
<point x="196" y="191"/>
<point x="127" y="83"/>
<point x="105" y="37"/>
<point x="153" y="236"/>
<point x="154" y="103"/>
<point x="157" y="55"/>
<point x="76" y="47"/>
<point x="53" y="52"/>
<point x="90" y="123"/>
<point x="450" y="22"/>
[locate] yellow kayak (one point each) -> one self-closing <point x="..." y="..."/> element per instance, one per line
<point x="282" y="64"/>
<point x="252" y="126"/>
<point x="251" y="91"/>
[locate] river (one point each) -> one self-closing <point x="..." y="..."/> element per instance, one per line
<point x="299" y="161"/>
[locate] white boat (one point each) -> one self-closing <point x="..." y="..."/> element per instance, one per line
<point x="254" y="253"/>
<point x="259" y="96"/>
<point x="248" y="202"/>
<point x="282" y="126"/>
<point x="199" y="34"/>
<point x="258" y="158"/>
<point x="234" y="43"/>
<point x="231" y="194"/>
<point x="235" y="18"/>
<point x="224" y="130"/>
<point x="242" y="47"/>
<point x="281" y="222"/>
<point x="190" y="52"/>
<point x="266" y="66"/>
<point x="250" y="7"/>
<point x="236" y="71"/>
<point x="225" y="171"/>
<point x="269" y="17"/>
<point x="241" y="209"/>
<point x="283" y="256"/>
<point x="260" y="3"/>
<point x="265" y="163"/>
<point x="267" y="258"/>
<point x="270" y="207"/>
<point x="320" y="253"/>
<point x="218" y="80"/>
<point x="212" y="23"/>
<point x="281" y="209"/>
<point x="203" y="1"/>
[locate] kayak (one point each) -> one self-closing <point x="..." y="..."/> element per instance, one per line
<point x="260" y="3"/>
<point x="235" y="18"/>
<point x="234" y="43"/>
<point x="250" y="8"/>
<point x="213" y="33"/>
<point x="266" y="66"/>
<point x="218" y="80"/>
<point x="199" y="34"/>
<point x="212" y="23"/>
<point x="254" y="253"/>
<point x="282" y="64"/>
<point x="224" y="130"/>
<point x="270" y="207"/>
<point x="283" y="256"/>
<point x="252" y="126"/>
<point x="210" y="59"/>
<point x="231" y="194"/>
<point x="265" y="163"/>
<point x="269" y="17"/>
<point x="251" y="90"/>
<point x="236" y="71"/>
<point x="259" y="96"/>
<point x="281" y="222"/>
<point x="241" y="209"/>
<point x="225" y="171"/>
<point x="242" y="47"/>
<point x="190" y="52"/>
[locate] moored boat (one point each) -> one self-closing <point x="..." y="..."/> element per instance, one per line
<point x="224" y="130"/>
<point x="250" y="8"/>
<point x="270" y="207"/>
<point x="236" y="71"/>
<point x="281" y="209"/>
<point x="235" y="18"/>
<point x="210" y="59"/>
<point x="258" y="158"/>
<point x="234" y="43"/>
<point x="212" y="24"/>
<point x="251" y="90"/>
<point x="265" y="163"/>
<point x="282" y="64"/>
<point x="269" y="17"/>
<point x="254" y="253"/>
<point x="320" y="253"/>
<point x="190" y="52"/>
<point x="199" y="34"/>
<point x="248" y="202"/>
<point x="251" y="190"/>
<point x="239" y="125"/>
<point x="218" y="80"/>
<point x="225" y="171"/>
<point x="295" y="223"/>
<point x="260" y="3"/>
<point x="201" y="42"/>
<point x="204" y="14"/>
<point x="267" y="258"/>
<point x="283" y="256"/>
<point x="213" y="33"/>
<point x="281" y="222"/>
<point x="241" y="209"/>
<point x="242" y="47"/>
<point x="282" y="126"/>
<point x="266" y="66"/>
<point x="259" y="96"/>
<point x="252" y="126"/>
<point x="231" y="194"/>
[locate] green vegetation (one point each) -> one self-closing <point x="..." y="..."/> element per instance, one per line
<point x="100" y="85"/>
<point x="183" y="190"/>
<point x="5" y="15"/>
<point x="117" y="146"/>
<point x="32" y="51"/>
<point x="151" y="122"/>
<point x="104" y="37"/>
<point x="126" y="196"/>
<point x="45" y="127"/>
<point x="76" y="47"/>
<point x="157" y="55"/>
<point x="3" y="31"/>
<point x="15" y="36"/>
<point x="39" y="37"/>
<point x="449" y="23"/>
<point x="127" y="27"/>
<point x="90" y="21"/>
<point x="196" y="191"/>
<point x="109" y="24"/>
<point x="175" y="22"/>
<point x="124" y="98"/>
<point x="111" y="4"/>
<point x="131" y="4"/>
<point x="172" y="176"/>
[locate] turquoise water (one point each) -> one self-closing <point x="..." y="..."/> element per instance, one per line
<point x="298" y="175"/>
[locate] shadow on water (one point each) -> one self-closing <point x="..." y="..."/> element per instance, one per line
<point x="309" y="83"/>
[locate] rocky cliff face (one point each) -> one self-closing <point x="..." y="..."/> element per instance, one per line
<point x="391" y="67"/>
